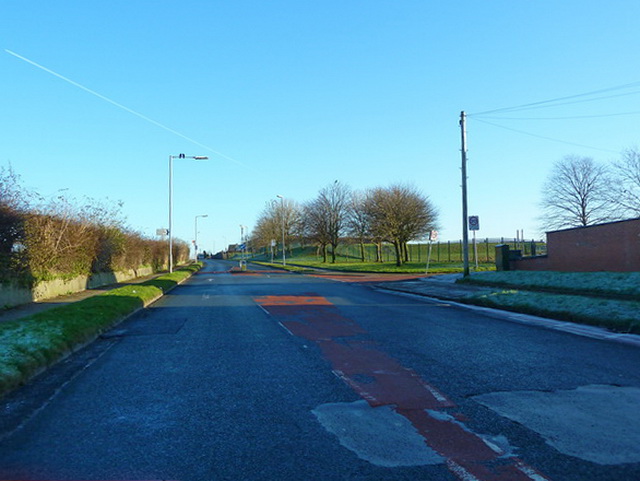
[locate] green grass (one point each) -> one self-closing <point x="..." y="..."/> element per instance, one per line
<point x="30" y="344"/>
<point x="625" y="285"/>
<point x="348" y="261"/>
<point x="605" y="299"/>
<point x="376" y="267"/>
<point x="441" y="252"/>
<point x="287" y="267"/>
<point x="616" y="315"/>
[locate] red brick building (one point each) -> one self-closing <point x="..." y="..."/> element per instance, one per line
<point x="614" y="246"/>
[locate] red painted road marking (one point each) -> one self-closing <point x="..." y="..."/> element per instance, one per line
<point x="381" y="380"/>
<point x="368" y="277"/>
<point x="292" y="300"/>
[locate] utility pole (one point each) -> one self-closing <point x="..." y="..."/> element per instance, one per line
<point x="465" y="231"/>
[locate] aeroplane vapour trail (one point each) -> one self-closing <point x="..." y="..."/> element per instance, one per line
<point x="123" y="107"/>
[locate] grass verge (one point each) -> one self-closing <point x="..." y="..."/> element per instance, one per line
<point x="375" y="267"/>
<point x="31" y="344"/>
<point x="605" y="299"/>
<point x="617" y="285"/>
<point x="287" y="267"/>
<point x="616" y="315"/>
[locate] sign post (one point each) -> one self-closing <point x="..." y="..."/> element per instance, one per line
<point x="433" y="236"/>
<point x="474" y="225"/>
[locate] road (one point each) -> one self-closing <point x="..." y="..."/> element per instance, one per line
<point x="277" y="376"/>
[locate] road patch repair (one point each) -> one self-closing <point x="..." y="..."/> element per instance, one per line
<point x="394" y="399"/>
<point x="378" y="435"/>
<point x="564" y="418"/>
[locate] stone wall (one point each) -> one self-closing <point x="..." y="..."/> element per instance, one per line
<point x="11" y="296"/>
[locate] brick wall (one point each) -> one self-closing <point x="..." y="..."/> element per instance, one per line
<point x="614" y="246"/>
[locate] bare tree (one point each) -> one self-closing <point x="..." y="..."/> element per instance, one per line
<point x="576" y="194"/>
<point x="289" y="215"/>
<point x="399" y="214"/>
<point x="358" y="222"/>
<point x="276" y="217"/>
<point x="316" y="225"/>
<point x="626" y="182"/>
<point x="326" y="216"/>
<point x="266" y="228"/>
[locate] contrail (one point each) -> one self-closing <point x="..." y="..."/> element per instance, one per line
<point x="123" y="107"/>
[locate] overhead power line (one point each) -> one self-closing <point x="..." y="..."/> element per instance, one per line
<point x="545" y="137"/>
<point x="556" y="101"/>
<point x="573" y="117"/>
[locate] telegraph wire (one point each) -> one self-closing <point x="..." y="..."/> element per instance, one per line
<point x="546" y="138"/>
<point x="574" y="117"/>
<point x="544" y="103"/>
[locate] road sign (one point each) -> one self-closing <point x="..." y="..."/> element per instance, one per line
<point x="474" y="222"/>
<point x="162" y="231"/>
<point x="433" y="235"/>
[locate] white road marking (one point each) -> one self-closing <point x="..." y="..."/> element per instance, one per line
<point x="459" y="471"/>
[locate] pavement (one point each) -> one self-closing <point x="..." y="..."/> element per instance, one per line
<point x="440" y="286"/>
<point x="32" y="308"/>
<point x="444" y="287"/>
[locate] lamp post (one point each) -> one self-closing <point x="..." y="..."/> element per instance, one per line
<point x="171" y="157"/>
<point x="241" y="241"/>
<point x="244" y="242"/>
<point x="195" y="247"/>
<point x="284" y="262"/>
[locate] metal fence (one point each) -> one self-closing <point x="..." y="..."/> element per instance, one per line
<point x="443" y="251"/>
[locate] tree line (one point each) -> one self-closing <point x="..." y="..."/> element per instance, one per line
<point x="48" y="238"/>
<point x="579" y="191"/>
<point x="396" y="214"/>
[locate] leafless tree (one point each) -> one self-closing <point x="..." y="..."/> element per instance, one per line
<point x="626" y="182"/>
<point x="326" y="216"/>
<point x="399" y="214"/>
<point x="358" y="222"/>
<point x="316" y="226"/>
<point x="576" y="194"/>
<point x="266" y="228"/>
<point x="276" y="216"/>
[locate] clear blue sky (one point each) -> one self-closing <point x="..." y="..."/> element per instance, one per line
<point x="296" y="94"/>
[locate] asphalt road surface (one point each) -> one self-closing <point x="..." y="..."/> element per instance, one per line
<point x="277" y="376"/>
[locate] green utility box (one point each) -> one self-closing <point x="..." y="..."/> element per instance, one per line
<point x="502" y="257"/>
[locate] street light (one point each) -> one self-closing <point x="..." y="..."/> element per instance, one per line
<point x="284" y="262"/>
<point x="243" y="238"/>
<point x="171" y="157"/>
<point x="195" y="246"/>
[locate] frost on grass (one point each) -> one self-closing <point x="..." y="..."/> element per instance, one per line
<point x="627" y="283"/>
<point x="616" y="314"/>
<point x="25" y="344"/>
